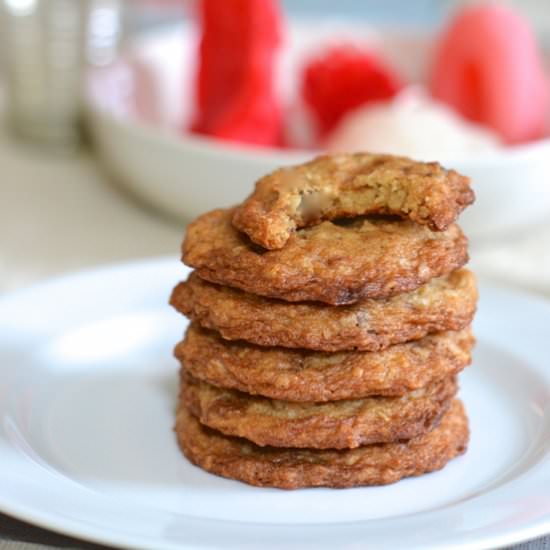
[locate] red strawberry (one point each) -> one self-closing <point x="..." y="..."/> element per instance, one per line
<point x="489" y="68"/>
<point x="235" y="92"/>
<point x="342" y="79"/>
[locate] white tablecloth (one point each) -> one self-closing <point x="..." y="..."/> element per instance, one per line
<point x="60" y="213"/>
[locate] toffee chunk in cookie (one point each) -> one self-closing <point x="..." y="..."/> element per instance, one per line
<point x="380" y="464"/>
<point x="347" y="185"/>
<point x="302" y="375"/>
<point x="331" y="263"/>
<point x="446" y="303"/>
<point x="344" y="424"/>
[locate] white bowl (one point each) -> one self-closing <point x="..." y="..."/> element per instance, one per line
<point x="138" y="107"/>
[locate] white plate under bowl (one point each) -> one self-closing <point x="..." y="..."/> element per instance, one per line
<point x="87" y="396"/>
<point x="137" y="110"/>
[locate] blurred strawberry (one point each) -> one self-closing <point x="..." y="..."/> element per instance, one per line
<point x="343" y="78"/>
<point x="235" y="97"/>
<point x="489" y="67"/>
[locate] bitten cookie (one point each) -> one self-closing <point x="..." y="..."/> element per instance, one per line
<point x="346" y="185"/>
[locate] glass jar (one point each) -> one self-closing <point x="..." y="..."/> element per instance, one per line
<point x="45" y="45"/>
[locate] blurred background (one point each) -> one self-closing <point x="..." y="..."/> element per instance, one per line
<point x="121" y="120"/>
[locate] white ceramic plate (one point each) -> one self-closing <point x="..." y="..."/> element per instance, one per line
<point x="87" y="395"/>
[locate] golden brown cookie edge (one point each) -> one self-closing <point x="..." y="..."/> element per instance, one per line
<point x="292" y="374"/>
<point x="343" y="424"/>
<point x="371" y="325"/>
<point x="293" y="469"/>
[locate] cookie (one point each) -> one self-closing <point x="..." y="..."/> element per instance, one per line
<point x="447" y="303"/>
<point x="302" y="375"/>
<point x="380" y="464"/>
<point x="346" y="185"/>
<point x="344" y="424"/>
<point x="328" y="262"/>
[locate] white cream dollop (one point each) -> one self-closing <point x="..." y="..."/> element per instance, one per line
<point x="411" y="124"/>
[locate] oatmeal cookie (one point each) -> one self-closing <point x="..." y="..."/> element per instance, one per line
<point x="379" y="464"/>
<point x="302" y="375"/>
<point x="446" y="303"/>
<point x="328" y="262"/>
<point x="344" y="424"/>
<point x="346" y="185"/>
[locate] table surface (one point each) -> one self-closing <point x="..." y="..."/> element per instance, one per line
<point x="43" y="194"/>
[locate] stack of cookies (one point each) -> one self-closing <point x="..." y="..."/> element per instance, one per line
<point x="330" y="317"/>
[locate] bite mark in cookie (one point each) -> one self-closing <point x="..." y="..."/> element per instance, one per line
<point x="347" y="185"/>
